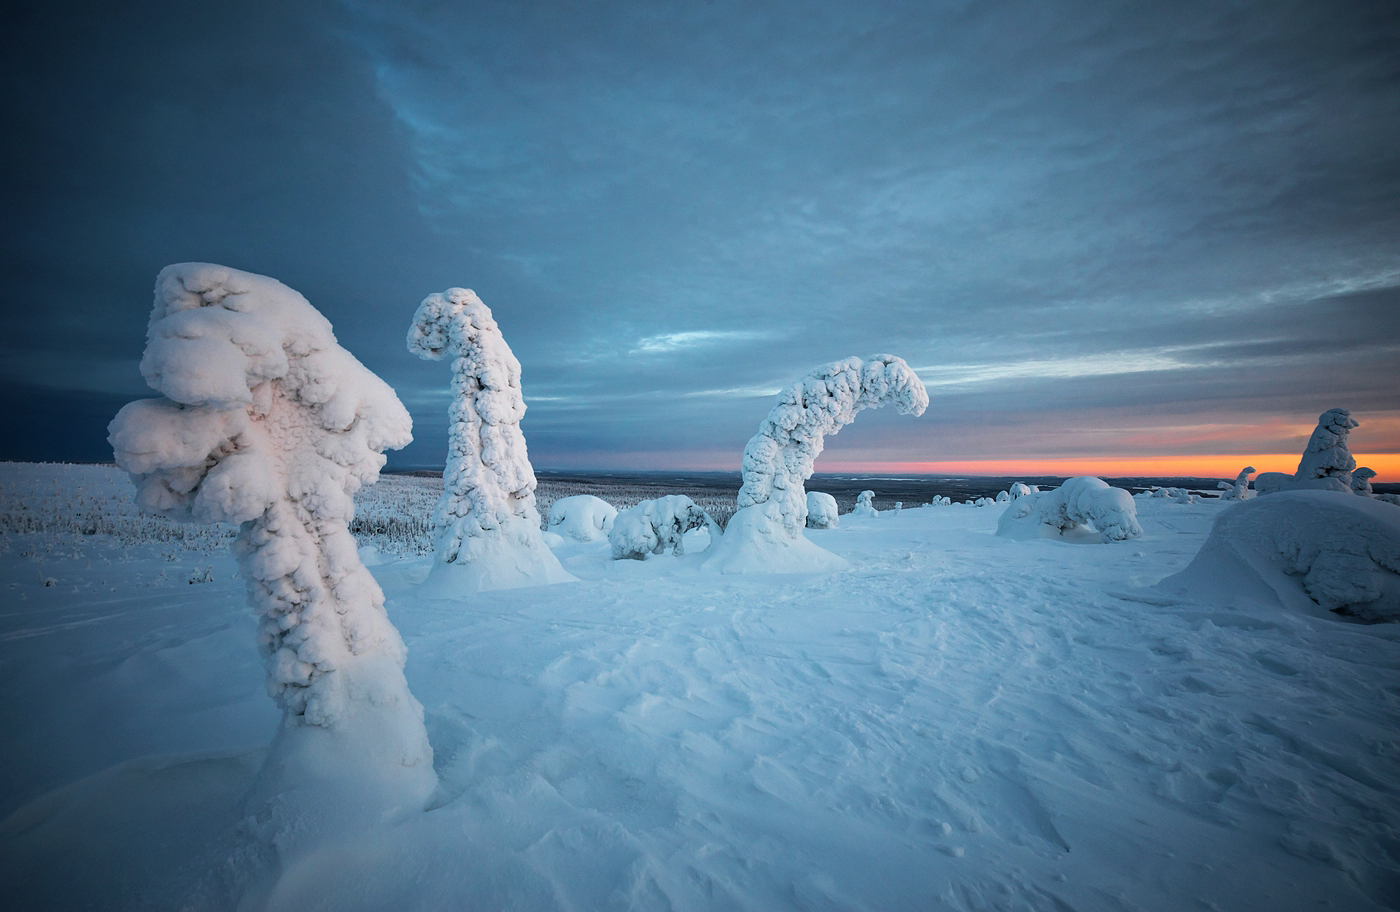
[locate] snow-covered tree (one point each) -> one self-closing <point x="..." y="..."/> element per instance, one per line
<point x="652" y="526"/>
<point x="1003" y="497"/>
<point x="765" y="534"/>
<point x="1021" y="489"/>
<point x="1082" y="501"/>
<point x="1361" y="481"/>
<point x="865" y="505"/>
<point x="582" y="517"/>
<point x="268" y="423"/>
<point x="488" y="529"/>
<point x="1239" y="490"/>
<point x="821" y="511"/>
<point x="1327" y="462"/>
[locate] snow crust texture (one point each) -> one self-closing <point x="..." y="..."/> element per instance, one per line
<point x="268" y="423"/>
<point x="488" y="528"/>
<point x="821" y="511"/>
<point x="1339" y="551"/>
<point x="1082" y="501"/>
<point x="582" y="517"/>
<point x="653" y="526"/>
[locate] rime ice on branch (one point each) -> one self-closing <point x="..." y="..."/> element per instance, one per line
<point x="765" y="535"/>
<point x="270" y="424"/>
<point x="488" y="529"/>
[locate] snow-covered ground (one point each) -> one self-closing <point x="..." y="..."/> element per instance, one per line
<point x="957" y="721"/>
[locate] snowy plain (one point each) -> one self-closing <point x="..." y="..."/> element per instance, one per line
<point x="957" y="721"/>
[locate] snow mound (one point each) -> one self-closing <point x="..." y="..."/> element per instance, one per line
<point x="779" y="459"/>
<point x="768" y="547"/>
<point x="1082" y="501"/>
<point x="1302" y="549"/>
<point x="488" y="529"/>
<point x="582" y="517"/>
<point x="821" y="511"/>
<point x="269" y="423"/>
<point x="652" y="526"/>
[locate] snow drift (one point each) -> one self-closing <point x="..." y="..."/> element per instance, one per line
<point x="765" y="534"/>
<point x="652" y="526"/>
<point x="1301" y="549"/>
<point x="268" y="423"/>
<point x="488" y="529"/>
<point x="1079" y="502"/>
<point x="582" y="517"/>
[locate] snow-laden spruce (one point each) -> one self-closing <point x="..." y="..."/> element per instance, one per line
<point x="822" y="512"/>
<point x="765" y="534"/>
<point x="488" y="528"/>
<point x="268" y="423"/>
<point x="1239" y="490"/>
<point x="1327" y="462"/>
<point x="1079" y="502"/>
<point x="582" y="517"/>
<point x="653" y="526"/>
<point x="865" y="505"/>
<point x="1361" y="481"/>
<point x="1303" y="550"/>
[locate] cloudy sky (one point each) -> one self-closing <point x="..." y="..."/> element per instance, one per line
<point x="1105" y="234"/>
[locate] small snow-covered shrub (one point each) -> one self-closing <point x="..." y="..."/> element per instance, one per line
<point x="1003" y="497"/>
<point x="865" y="505"/>
<point x="1239" y="490"/>
<point x="582" y="517"/>
<point x="940" y="500"/>
<point x="652" y="526"/>
<point x="821" y="511"/>
<point x="488" y="529"/>
<point x="1301" y="548"/>
<point x="765" y="535"/>
<point x="268" y="423"/>
<point x="1361" y="481"/>
<point x="1082" y="501"/>
<point x="1327" y="462"/>
<point x="1021" y="489"/>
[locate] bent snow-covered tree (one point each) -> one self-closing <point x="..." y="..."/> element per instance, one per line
<point x="488" y="529"/>
<point x="1327" y="462"/>
<point x="765" y="534"/>
<point x="268" y="423"/>
<point x="1239" y="489"/>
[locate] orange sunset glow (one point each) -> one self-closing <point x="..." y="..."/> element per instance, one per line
<point x="1226" y="465"/>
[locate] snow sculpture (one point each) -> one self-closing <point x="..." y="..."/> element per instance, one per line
<point x="1240" y="489"/>
<point x="1304" y="550"/>
<point x="488" y="530"/>
<point x="1082" y="501"/>
<point x="268" y="423"/>
<point x="821" y="511"/>
<point x="765" y="534"/>
<point x="582" y="517"/>
<point x="1327" y="462"/>
<point x="865" y="505"/>
<point x="652" y="526"/>
<point x="1361" y="481"/>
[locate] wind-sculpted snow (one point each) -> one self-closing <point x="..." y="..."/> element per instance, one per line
<point x="488" y="529"/>
<point x="1082" y="501"/>
<point x="1327" y="462"/>
<point x="582" y="517"/>
<point x="1341" y="553"/>
<point x="821" y="511"/>
<point x="653" y="526"/>
<point x="270" y="424"/>
<point x="779" y="459"/>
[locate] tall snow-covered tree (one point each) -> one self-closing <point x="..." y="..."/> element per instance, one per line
<point x="1327" y="462"/>
<point x="765" y="534"/>
<point x="488" y="528"/>
<point x="268" y="423"/>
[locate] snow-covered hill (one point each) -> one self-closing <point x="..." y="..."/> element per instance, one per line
<point x="958" y="721"/>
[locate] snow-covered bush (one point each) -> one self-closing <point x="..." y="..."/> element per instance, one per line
<point x="765" y="534"/>
<point x="488" y="530"/>
<point x="865" y="505"/>
<point x="652" y="526"/>
<point x="1021" y="489"/>
<point x="1239" y="490"/>
<point x="268" y="423"/>
<point x="582" y="517"/>
<point x="940" y="500"/>
<point x="1082" y="501"/>
<point x="1327" y="462"/>
<point x="821" y="511"/>
<point x="1361" y="481"/>
<point x="1003" y="497"/>
<point x="1300" y="549"/>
